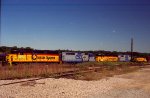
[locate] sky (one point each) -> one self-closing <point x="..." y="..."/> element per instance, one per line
<point x="76" y="24"/>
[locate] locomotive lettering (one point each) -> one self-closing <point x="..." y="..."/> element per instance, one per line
<point x="49" y="58"/>
<point x="43" y="58"/>
<point x="34" y="57"/>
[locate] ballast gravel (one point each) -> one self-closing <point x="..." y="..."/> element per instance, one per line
<point x="60" y="88"/>
<point x="68" y="88"/>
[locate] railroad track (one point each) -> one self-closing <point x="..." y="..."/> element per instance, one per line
<point x="56" y="75"/>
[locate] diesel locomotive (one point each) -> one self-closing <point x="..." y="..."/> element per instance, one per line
<point x="47" y="56"/>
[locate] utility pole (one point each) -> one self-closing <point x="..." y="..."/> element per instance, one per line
<point x="0" y="19"/>
<point x="1" y="62"/>
<point x="131" y="49"/>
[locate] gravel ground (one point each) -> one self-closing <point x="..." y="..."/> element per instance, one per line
<point x="114" y="87"/>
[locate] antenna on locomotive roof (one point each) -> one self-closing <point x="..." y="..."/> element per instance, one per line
<point x="131" y="49"/>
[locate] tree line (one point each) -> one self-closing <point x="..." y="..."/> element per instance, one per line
<point x="5" y="49"/>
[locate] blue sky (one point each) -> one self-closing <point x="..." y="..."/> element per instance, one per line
<point x="76" y="24"/>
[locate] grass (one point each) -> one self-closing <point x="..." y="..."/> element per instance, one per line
<point x="32" y="70"/>
<point x="102" y="69"/>
<point x="105" y="69"/>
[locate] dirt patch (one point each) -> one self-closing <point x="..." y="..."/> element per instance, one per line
<point x="140" y="81"/>
<point x="100" y="73"/>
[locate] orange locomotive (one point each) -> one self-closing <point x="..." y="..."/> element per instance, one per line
<point x="32" y="57"/>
